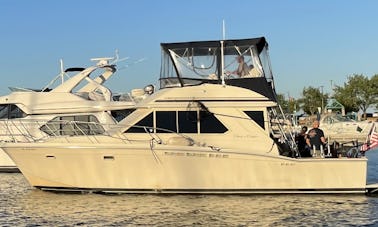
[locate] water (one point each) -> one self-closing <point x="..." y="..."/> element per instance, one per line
<point x="21" y="205"/>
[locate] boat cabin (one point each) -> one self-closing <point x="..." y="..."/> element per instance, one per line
<point x="202" y="97"/>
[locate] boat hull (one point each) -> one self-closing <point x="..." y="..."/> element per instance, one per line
<point x="6" y="163"/>
<point x="182" y="169"/>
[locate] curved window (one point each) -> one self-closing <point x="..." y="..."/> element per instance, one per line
<point x="11" y="111"/>
<point x="119" y="115"/>
<point x="73" y="125"/>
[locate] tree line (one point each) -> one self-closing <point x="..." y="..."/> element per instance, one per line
<point x="358" y="93"/>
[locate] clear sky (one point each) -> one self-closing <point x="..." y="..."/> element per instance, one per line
<point x="311" y="42"/>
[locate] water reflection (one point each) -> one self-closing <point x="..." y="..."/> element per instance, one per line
<point x="264" y="210"/>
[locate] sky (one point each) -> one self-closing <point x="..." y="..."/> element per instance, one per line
<point x="311" y="43"/>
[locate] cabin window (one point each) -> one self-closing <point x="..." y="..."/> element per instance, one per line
<point x="11" y="111"/>
<point x="180" y="122"/>
<point x="166" y="121"/>
<point x="73" y="125"/>
<point x="188" y="122"/>
<point x="147" y="123"/>
<point x="86" y="125"/>
<point x="119" y="115"/>
<point x="256" y="116"/>
<point x="210" y="124"/>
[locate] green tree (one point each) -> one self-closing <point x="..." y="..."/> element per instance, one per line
<point x="358" y="93"/>
<point x="311" y="99"/>
<point x="288" y="105"/>
<point x="374" y="85"/>
<point x="283" y="102"/>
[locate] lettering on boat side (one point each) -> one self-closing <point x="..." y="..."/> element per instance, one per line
<point x="27" y="149"/>
<point x="244" y="137"/>
<point x="287" y="164"/>
<point x="218" y="156"/>
<point x="193" y="154"/>
<point x="174" y="153"/>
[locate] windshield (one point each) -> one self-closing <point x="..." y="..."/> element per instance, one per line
<point x="195" y="62"/>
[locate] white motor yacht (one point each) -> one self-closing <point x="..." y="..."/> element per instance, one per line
<point x="27" y="114"/>
<point x="203" y="131"/>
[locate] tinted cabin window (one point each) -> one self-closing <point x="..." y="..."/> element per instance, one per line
<point x="121" y="114"/>
<point x="73" y="125"/>
<point x="11" y="111"/>
<point x="210" y="124"/>
<point x="188" y="122"/>
<point x="166" y="121"/>
<point x="256" y="116"/>
<point x="4" y="111"/>
<point x="147" y="122"/>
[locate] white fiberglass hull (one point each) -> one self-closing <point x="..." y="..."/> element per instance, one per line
<point x="182" y="169"/>
<point x="6" y="163"/>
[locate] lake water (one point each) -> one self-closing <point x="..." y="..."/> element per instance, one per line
<point x="22" y="205"/>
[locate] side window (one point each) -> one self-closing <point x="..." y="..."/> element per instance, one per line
<point x="11" y="111"/>
<point x="4" y="111"/>
<point x="187" y="122"/>
<point x="256" y="116"/>
<point x="73" y="125"/>
<point x="15" y="112"/>
<point x="166" y="121"/>
<point x="147" y="122"/>
<point x="119" y="115"/>
<point x="87" y="125"/>
<point x="210" y="124"/>
<point x="66" y="126"/>
<point x="52" y="127"/>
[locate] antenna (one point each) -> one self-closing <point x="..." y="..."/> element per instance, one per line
<point x="224" y="30"/>
<point x="116" y="59"/>
<point x="61" y="70"/>
<point x="62" y="74"/>
<point x="222" y="52"/>
<point x="132" y="63"/>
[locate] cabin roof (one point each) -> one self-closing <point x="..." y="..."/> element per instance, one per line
<point x="259" y="42"/>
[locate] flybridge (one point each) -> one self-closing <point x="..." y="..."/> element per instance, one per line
<point x="215" y="62"/>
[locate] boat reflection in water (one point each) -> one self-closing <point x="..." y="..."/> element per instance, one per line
<point x="201" y="132"/>
<point x="37" y="207"/>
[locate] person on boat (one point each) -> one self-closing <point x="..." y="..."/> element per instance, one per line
<point x="243" y="68"/>
<point x="315" y="139"/>
<point x="300" y="139"/>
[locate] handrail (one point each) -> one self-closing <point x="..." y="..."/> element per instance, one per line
<point x="28" y="131"/>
